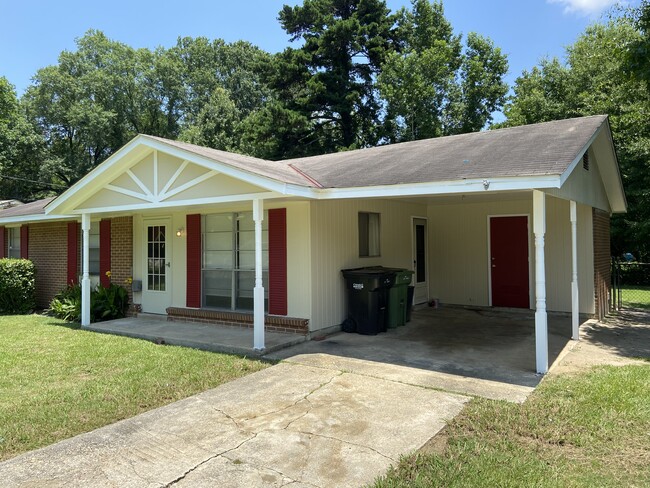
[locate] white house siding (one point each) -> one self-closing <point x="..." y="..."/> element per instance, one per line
<point x="585" y="186"/>
<point x="335" y="246"/>
<point x="298" y="252"/>
<point x="458" y="252"/>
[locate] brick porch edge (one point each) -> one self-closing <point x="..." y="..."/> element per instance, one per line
<point x="274" y="323"/>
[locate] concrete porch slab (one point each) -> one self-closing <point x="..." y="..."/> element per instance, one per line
<point x="208" y="337"/>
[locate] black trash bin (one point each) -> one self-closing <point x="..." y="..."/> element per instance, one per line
<point x="367" y="291"/>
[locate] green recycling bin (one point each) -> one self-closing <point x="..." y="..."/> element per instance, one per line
<point x="398" y="305"/>
<point x="398" y="298"/>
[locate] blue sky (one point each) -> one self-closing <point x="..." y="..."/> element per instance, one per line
<point x="34" y="32"/>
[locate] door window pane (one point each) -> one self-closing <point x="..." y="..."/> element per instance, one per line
<point x="156" y="263"/>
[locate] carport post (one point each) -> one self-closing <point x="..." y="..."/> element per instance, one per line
<point x="575" y="308"/>
<point x="258" y="292"/>
<point x="541" y="325"/>
<point x="85" y="278"/>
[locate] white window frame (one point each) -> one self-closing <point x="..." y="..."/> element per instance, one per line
<point x="369" y="234"/>
<point x="235" y="269"/>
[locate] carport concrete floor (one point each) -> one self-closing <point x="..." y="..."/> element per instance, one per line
<point x="481" y="352"/>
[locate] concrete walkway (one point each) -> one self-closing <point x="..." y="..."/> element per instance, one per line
<point x="289" y="425"/>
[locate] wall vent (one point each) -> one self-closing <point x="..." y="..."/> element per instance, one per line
<point x="585" y="161"/>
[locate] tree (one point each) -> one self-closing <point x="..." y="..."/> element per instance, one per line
<point x="22" y="151"/>
<point x="329" y="80"/>
<point x="594" y="81"/>
<point x="432" y="86"/>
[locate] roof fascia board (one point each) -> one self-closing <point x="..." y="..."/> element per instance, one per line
<point x="620" y="188"/>
<point x="22" y="219"/>
<point x="181" y="203"/>
<point x="581" y="153"/>
<point x="442" y="188"/>
<point x="93" y="176"/>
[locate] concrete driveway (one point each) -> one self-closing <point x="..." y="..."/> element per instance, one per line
<point x="481" y="352"/>
<point x="289" y="425"/>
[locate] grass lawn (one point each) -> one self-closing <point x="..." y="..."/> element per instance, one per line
<point x="588" y="430"/>
<point x="636" y="296"/>
<point x="57" y="381"/>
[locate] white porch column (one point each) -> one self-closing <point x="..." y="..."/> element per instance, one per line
<point x="258" y="292"/>
<point x="85" y="266"/>
<point x="575" y="308"/>
<point x="541" y="324"/>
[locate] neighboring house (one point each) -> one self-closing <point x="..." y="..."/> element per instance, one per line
<point x="515" y="217"/>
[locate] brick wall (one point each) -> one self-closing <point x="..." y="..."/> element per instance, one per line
<point x="122" y="252"/>
<point x="602" y="267"/>
<point x="48" y="249"/>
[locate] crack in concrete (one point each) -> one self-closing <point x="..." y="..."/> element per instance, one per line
<point x="347" y="442"/>
<point x="289" y="478"/>
<point x="306" y="399"/>
<point x="229" y="417"/>
<point x="205" y="461"/>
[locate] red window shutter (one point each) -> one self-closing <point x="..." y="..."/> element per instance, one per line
<point x="73" y="252"/>
<point x="104" y="252"/>
<point x="3" y="242"/>
<point x="278" y="261"/>
<point x="24" y="242"/>
<point x="193" y="239"/>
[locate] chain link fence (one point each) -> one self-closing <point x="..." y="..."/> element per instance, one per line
<point x="630" y="285"/>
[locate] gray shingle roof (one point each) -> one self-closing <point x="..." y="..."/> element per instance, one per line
<point x="531" y="150"/>
<point x="271" y="169"/>
<point x="32" y="208"/>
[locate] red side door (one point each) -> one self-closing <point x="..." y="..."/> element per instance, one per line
<point x="509" y="261"/>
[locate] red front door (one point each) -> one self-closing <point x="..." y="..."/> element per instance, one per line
<point x="509" y="261"/>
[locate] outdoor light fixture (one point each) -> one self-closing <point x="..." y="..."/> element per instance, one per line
<point x="180" y="232"/>
<point x="486" y="184"/>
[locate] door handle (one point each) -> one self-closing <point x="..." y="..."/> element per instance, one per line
<point x="169" y="264"/>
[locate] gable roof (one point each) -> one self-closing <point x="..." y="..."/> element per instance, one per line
<point x="531" y="150"/>
<point x="275" y="170"/>
<point x="33" y="208"/>
<point x="536" y="156"/>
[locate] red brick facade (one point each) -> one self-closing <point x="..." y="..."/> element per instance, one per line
<point x="48" y="250"/>
<point x="122" y="252"/>
<point x="602" y="262"/>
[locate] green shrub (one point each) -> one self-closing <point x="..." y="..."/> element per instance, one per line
<point x="67" y="304"/>
<point x="17" y="286"/>
<point x="107" y="303"/>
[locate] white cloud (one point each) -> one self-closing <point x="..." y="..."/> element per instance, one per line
<point x="586" y="7"/>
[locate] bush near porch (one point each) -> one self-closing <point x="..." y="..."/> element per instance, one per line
<point x="587" y="430"/>
<point x="58" y="381"/>
<point x="106" y="303"/>
<point x="17" y="286"/>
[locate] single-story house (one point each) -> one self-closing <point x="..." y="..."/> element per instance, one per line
<point x="515" y="217"/>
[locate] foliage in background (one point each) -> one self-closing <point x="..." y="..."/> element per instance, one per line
<point x="432" y="86"/>
<point x="322" y="95"/>
<point x="595" y="80"/>
<point x="106" y="303"/>
<point x="17" y="286"/>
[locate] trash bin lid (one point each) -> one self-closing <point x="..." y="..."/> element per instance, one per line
<point x="368" y="279"/>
